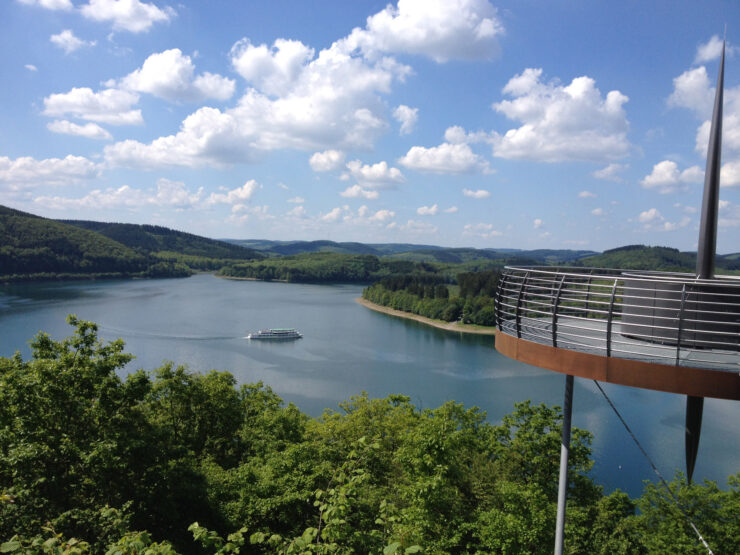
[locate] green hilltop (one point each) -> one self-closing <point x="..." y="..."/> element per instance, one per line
<point x="154" y="238"/>
<point x="36" y="248"/>
<point x="31" y="246"/>
<point x="642" y="257"/>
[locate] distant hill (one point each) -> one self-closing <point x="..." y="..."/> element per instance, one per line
<point x="552" y="256"/>
<point x="286" y="248"/>
<point x="34" y="246"/>
<point x="641" y="257"/>
<point x="153" y="238"/>
<point x="414" y="252"/>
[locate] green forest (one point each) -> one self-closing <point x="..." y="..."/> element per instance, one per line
<point x="429" y="296"/>
<point x="34" y="248"/>
<point x="641" y="257"/>
<point x="325" y="267"/>
<point x="170" y="461"/>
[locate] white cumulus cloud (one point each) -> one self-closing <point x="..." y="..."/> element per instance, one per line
<point x="168" y="193"/>
<point x="332" y="103"/>
<point x="672" y="226"/>
<point x="427" y="210"/>
<point x="171" y="75"/>
<point x="378" y="216"/>
<point x="407" y="118"/>
<point x="586" y="194"/>
<point x="445" y="158"/>
<point x="275" y="69"/>
<point x="296" y="200"/>
<point x="31" y="67"/>
<point x="296" y="212"/>
<point x="457" y="134"/>
<point x="206" y="137"/>
<point x="355" y="191"/>
<point x="666" y="178"/>
<point x="611" y="172"/>
<point x="235" y="196"/>
<point x="123" y="196"/>
<point x="332" y="216"/>
<point x="27" y="172"/>
<point x="89" y="130"/>
<point x="710" y="50"/>
<point x="50" y="4"/>
<point x="650" y="216"/>
<point x="561" y="122"/>
<point x="730" y="174"/>
<point x="110" y="106"/>
<point x="440" y="29"/>
<point x="479" y="193"/>
<point x="326" y="161"/>
<point x="374" y="175"/>
<point x="67" y="41"/>
<point x="692" y="90"/>
<point x="175" y="193"/>
<point x="417" y="227"/>
<point x="597" y="211"/>
<point x="484" y="231"/>
<point x="537" y="223"/>
<point x="126" y="15"/>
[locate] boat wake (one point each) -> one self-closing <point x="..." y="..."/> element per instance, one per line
<point x="154" y="335"/>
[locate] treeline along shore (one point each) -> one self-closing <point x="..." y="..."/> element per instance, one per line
<point x="469" y="300"/>
<point x="440" y="324"/>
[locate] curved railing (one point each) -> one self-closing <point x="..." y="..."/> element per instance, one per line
<point x="661" y="317"/>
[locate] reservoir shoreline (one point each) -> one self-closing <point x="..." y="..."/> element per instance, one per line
<point x="439" y="324"/>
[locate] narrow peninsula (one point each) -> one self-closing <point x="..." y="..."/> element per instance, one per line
<point x="440" y="324"/>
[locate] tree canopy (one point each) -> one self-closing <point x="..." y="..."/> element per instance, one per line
<point x="172" y="461"/>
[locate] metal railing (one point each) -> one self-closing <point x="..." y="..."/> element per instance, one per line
<point x="663" y="317"/>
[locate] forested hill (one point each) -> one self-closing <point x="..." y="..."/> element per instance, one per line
<point x="153" y="238"/>
<point x="31" y="246"/>
<point x="641" y="257"/>
<point x="416" y="253"/>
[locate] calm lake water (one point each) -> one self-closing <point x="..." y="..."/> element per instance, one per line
<point x="202" y="322"/>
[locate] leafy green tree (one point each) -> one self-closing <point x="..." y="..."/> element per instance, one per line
<point x="74" y="438"/>
<point x="665" y="525"/>
<point x="527" y="450"/>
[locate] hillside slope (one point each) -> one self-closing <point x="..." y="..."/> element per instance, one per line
<point x="641" y="257"/>
<point x="153" y="238"/>
<point x="31" y="245"/>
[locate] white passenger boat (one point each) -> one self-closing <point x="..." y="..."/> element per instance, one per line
<point x="276" y="333"/>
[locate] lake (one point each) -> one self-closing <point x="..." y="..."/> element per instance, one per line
<point x="202" y="322"/>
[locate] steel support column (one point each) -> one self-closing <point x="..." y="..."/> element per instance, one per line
<point x="564" y="452"/>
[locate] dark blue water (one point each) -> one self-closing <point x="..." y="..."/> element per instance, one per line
<point x="202" y="322"/>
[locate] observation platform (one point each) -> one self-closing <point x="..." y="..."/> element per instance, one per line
<point x="656" y="330"/>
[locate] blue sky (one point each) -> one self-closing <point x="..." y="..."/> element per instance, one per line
<point x="521" y="124"/>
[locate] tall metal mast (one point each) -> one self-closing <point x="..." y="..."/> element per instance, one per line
<point x="706" y="250"/>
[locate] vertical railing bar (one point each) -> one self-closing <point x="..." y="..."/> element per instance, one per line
<point x="680" y="323"/>
<point x="610" y="319"/>
<point x="500" y="288"/>
<point x="519" y="306"/>
<point x="588" y="290"/>
<point x="556" y="301"/>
